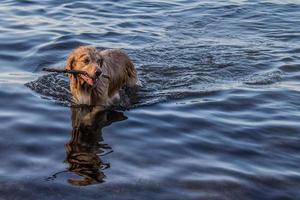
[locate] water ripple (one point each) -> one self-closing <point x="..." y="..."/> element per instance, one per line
<point x="216" y="118"/>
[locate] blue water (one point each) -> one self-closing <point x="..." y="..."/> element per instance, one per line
<point x="217" y="116"/>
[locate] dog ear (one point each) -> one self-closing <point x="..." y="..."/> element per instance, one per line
<point x="70" y="62"/>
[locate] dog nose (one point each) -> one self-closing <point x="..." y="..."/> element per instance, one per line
<point x="98" y="73"/>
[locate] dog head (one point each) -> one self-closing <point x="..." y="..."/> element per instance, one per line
<point x="88" y="59"/>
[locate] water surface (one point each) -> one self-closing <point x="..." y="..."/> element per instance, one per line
<point x="217" y="116"/>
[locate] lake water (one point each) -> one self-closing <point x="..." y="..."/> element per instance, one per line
<point x="217" y="116"/>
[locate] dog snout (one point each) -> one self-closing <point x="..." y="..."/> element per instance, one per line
<point x="98" y="72"/>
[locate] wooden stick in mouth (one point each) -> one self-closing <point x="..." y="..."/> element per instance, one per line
<point x="66" y="71"/>
<point x="74" y="72"/>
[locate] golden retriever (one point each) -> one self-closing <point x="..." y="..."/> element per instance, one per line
<point x="111" y="70"/>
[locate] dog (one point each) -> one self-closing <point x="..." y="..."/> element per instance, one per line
<point x="108" y="72"/>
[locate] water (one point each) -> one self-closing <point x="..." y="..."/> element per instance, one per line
<point x="217" y="116"/>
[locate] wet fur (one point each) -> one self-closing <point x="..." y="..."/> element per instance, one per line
<point x="112" y="62"/>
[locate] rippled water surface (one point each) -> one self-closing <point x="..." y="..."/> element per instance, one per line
<point x="217" y="116"/>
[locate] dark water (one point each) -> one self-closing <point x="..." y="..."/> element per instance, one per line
<point x="217" y="116"/>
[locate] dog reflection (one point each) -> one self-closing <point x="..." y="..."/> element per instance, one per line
<point x="85" y="148"/>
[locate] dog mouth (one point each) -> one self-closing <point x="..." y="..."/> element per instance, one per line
<point x="91" y="80"/>
<point x="87" y="79"/>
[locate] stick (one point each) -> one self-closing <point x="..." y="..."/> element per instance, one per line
<point x="74" y="72"/>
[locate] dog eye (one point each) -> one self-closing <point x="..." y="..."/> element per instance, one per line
<point x="86" y="61"/>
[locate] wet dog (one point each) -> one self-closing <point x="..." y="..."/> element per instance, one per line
<point x="108" y="72"/>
